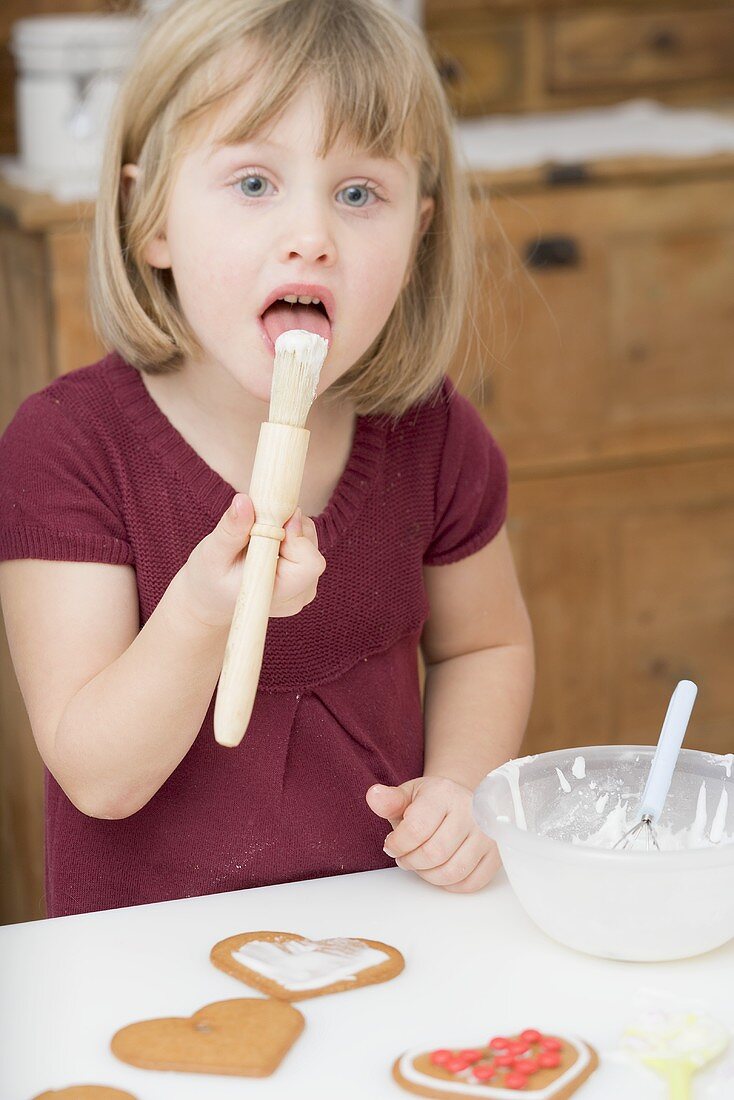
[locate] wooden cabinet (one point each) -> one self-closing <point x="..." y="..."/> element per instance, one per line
<point x="512" y="55"/>
<point x="609" y="313"/>
<point x="607" y="327"/>
<point x="607" y="333"/>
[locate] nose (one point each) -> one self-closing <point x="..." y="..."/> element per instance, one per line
<point x="307" y="234"/>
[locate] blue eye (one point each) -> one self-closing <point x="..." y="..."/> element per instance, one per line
<point x="356" y="194"/>
<point x="253" y="186"/>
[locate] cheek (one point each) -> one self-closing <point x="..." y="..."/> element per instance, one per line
<point x="207" y="268"/>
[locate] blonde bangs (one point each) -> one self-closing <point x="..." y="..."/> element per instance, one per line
<point x="380" y="92"/>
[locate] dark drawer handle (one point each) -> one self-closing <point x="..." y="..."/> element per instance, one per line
<point x="552" y="252"/>
<point x="450" y="69"/>
<point x="663" y="40"/>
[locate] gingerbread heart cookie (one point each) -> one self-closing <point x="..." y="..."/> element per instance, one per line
<point x="292" y="968"/>
<point x="244" y="1037"/>
<point x="85" y="1092"/>
<point x="546" y="1067"/>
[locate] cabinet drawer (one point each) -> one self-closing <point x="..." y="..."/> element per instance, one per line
<point x="481" y="64"/>
<point x="608" y="49"/>
<point x="610" y="337"/>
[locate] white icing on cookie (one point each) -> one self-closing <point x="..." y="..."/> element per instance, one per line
<point x="308" y="964"/>
<point x="489" y="1092"/>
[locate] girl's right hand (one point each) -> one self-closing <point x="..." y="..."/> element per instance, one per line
<point x="210" y="579"/>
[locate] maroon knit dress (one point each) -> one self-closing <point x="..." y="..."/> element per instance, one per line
<point x="91" y="470"/>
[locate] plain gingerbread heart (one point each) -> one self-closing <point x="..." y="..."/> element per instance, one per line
<point x="243" y="1037"/>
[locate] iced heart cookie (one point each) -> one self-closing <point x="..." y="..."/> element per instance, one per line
<point x="85" y="1092"/>
<point x="244" y="1037"/>
<point x="544" y="1067"/>
<point x="291" y="968"/>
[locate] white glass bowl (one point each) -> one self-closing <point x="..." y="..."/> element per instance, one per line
<point x="638" y="904"/>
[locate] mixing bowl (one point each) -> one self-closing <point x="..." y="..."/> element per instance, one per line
<point x="639" y="904"/>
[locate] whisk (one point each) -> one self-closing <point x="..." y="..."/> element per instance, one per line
<point x="662" y="767"/>
<point x="274" y="488"/>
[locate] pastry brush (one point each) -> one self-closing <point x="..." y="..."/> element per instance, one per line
<point x="274" y="489"/>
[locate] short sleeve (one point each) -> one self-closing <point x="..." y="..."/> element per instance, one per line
<point x="471" y="490"/>
<point x="57" y="489"/>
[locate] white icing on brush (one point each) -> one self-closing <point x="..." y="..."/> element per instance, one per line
<point x="308" y="964"/>
<point x="565" y="785"/>
<point x="468" y="1088"/>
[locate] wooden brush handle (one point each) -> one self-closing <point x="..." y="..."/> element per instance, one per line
<point x="274" y="489"/>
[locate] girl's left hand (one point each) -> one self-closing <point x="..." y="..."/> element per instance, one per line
<point x="434" y="833"/>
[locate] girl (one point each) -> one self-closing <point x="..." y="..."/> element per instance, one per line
<point x="273" y="164"/>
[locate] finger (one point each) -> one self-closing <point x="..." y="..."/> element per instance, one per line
<point x="294" y="525"/>
<point x="388" y="802"/>
<point x="284" y="609"/>
<point x="300" y="549"/>
<point x="298" y="580"/>
<point x="483" y="873"/>
<point x="459" y="866"/>
<point x="309" y="530"/>
<point x="420" y="821"/>
<point x="232" y="534"/>
<point x="438" y="848"/>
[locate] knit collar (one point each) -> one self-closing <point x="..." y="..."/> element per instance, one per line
<point x="215" y="494"/>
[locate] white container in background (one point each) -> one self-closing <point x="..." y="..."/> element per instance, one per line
<point x="69" y="70"/>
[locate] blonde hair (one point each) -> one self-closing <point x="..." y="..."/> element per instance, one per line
<point x="380" y="91"/>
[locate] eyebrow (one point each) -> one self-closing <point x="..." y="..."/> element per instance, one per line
<point x="233" y="146"/>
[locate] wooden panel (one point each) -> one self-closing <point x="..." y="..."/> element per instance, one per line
<point x="481" y="64"/>
<point x="75" y="342"/>
<point x="21" y="804"/>
<point x="627" y="349"/>
<point x="632" y="49"/>
<point x="629" y="577"/>
<point x="25" y="359"/>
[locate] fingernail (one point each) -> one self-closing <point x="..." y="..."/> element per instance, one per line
<point x="235" y="505"/>
<point x="387" y="852"/>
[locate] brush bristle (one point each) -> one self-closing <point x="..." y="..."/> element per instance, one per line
<point x="299" y="357"/>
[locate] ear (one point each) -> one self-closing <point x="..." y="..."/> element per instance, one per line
<point x="156" y="252"/>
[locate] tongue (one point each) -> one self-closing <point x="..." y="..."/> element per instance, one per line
<point x="282" y="316"/>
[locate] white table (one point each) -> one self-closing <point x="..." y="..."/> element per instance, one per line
<point x="475" y="966"/>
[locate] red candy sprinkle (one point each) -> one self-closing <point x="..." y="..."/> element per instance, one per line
<point x="441" y="1057"/>
<point x="531" y="1036"/>
<point x="456" y="1065"/>
<point x="515" y="1081"/>
<point x="483" y="1072"/>
<point x="470" y="1056"/>
<point x="551" y="1044"/>
<point x="499" y="1043"/>
<point x="518" y="1048"/>
<point x="527" y="1065"/>
<point x="549" y="1060"/>
<point x="505" y="1060"/>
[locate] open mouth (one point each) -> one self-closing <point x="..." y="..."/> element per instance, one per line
<point x="291" y="311"/>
